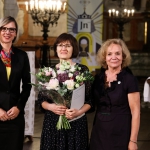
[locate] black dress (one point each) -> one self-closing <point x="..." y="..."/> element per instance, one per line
<point x="112" y="123"/>
<point x="75" y="138"/>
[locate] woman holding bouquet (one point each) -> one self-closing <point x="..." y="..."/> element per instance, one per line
<point x="115" y="90"/>
<point x="14" y="68"/>
<point x="75" y="138"/>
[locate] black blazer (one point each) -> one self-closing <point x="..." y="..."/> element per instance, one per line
<point x="10" y="94"/>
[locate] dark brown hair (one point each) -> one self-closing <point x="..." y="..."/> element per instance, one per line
<point x="67" y="37"/>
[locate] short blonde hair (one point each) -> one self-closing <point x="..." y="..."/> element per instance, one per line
<point x="101" y="54"/>
<point x="6" y="20"/>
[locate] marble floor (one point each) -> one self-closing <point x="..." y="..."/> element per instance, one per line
<point x="143" y="138"/>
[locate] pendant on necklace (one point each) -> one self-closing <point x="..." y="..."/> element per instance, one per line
<point x="119" y="82"/>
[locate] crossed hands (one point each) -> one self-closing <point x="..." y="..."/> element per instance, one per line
<point x="61" y="110"/>
<point x="10" y="114"/>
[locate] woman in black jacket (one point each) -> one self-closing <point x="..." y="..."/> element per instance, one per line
<point x="14" y="68"/>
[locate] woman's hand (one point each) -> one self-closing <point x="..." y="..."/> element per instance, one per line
<point x="13" y="112"/>
<point x="132" y="146"/>
<point x="3" y="115"/>
<point x="134" y="103"/>
<point x="57" y="109"/>
<point x="72" y="113"/>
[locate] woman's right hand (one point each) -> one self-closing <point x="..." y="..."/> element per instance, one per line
<point x="57" y="109"/>
<point x="3" y="115"/>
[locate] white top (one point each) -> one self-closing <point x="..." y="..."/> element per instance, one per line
<point x="146" y="92"/>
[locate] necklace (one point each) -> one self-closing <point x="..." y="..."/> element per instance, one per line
<point x="110" y="77"/>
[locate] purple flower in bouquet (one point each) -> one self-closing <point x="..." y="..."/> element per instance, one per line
<point x="62" y="77"/>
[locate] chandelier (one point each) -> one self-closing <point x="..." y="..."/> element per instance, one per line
<point x="121" y="15"/>
<point x="45" y="13"/>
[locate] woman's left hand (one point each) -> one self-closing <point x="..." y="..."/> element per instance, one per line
<point x="132" y="146"/>
<point x="72" y="113"/>
<point x="13" y="112"/>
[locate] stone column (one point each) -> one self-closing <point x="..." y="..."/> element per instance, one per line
<point x="143" y="5"/>
<point x="1" y="8"/>
<point x="11" y="8"/>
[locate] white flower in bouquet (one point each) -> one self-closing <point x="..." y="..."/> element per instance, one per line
<point x="80" y="78"/>
<point x="64" y="65"/>
<point x="54" y="74"/>
<point x="53" y="84"/>
<point x="72" y="69"/>
<point x="60" y="71"/>
<point x="39" y="74"/>
<point x="48" y="71"/>
<point x="70" y="75"/>
<point x="70" y="84"/>
<point x="40" y="83"/>
<point x="77" y="85"/>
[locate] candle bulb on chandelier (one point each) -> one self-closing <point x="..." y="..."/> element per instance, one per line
<point x="132" y="11"/>
<point x="40" y="5"/>
<point x="57" y="6"/>
<point x="54" y="6"/>
<point x="31" y="5"/>
<point x="26" y="5"/>
<point x="117" y="12"/>
<point x="125" y="11"/>
<point x="44" y="5"/>
<point x="113" y="11"/>
<point x="64" y="6"/>
<point x="109" y="11"/>
<point x="128" y="13"/>
<point x="36" y="4"/>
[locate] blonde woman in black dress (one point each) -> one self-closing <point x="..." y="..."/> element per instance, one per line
<point x="117" y="97"/>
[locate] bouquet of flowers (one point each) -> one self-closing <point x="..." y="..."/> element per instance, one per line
<point x="58" y="85"/>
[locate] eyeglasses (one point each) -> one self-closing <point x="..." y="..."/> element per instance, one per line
<point x="61" y="46"/>
<point x="11" y="30"/>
